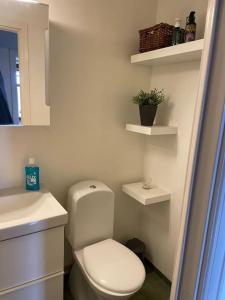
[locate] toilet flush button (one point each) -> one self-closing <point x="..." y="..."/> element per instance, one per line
<point x="93" y="186"/>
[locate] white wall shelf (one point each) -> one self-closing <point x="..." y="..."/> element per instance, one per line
<point x="145" y="197"/>
<point x="151" y="130"/>
<point x="191" y="51"/>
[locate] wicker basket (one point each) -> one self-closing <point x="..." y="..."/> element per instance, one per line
<point x="156" y="37"/>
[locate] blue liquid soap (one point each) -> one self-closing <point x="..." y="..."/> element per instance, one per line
<point x="32" y="176"/>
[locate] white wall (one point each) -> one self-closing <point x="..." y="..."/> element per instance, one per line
<point x="165" y="159"/>
<point x="92" y="83"/>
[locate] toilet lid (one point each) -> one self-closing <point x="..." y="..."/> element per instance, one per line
<point x="114" y="267"/>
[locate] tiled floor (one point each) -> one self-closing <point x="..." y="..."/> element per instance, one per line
<point x="154" y="288"/>
<point x="67" y="295"/>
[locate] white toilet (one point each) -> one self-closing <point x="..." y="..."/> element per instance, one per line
<point x="103" y="268"/>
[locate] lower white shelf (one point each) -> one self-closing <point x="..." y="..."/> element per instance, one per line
<point x="151" y="130"/>
<point x="145" y="197"/>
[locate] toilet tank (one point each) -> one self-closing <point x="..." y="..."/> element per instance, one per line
<point x="91" y="213"/>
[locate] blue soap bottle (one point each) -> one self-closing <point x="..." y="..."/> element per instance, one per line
<point x="32" y="176"/>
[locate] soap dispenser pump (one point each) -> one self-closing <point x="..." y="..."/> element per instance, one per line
<point x="32" y="176"/>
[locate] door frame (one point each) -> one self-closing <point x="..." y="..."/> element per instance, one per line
<point x="205" y="68"/>
<point x="212" y="265"/>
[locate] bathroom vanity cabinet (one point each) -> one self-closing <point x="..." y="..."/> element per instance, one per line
<point x="31" y="245"/>
<point x="32" y="266"/>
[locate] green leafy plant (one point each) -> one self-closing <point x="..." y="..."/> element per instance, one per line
<point x="154" y="97"/>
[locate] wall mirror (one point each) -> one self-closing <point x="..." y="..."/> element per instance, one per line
<point x="24" y="63"/>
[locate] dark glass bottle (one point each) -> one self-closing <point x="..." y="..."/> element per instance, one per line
<point x="190" y="29"/>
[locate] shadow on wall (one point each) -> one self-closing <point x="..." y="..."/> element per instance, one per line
<point x="167" y="144"/>
<point x="164" y="113"/>
<point x="155" y="216"/>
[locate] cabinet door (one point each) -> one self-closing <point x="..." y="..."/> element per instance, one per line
<point x="49" y="288"/>
<point x="31" y="257"/>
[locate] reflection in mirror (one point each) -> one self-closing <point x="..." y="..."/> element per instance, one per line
<point x="10" y="104"/>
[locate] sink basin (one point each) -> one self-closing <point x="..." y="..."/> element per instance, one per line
<point x="23" y="212"/>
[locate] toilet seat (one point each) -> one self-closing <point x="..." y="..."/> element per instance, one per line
<point x="113" y="267"/>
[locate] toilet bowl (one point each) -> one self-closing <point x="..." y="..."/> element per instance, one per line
<point x="103" y="268"/>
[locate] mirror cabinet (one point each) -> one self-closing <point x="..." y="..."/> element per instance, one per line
<point x="24" y="28"/>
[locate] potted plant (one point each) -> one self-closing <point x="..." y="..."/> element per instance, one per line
<point x="148" y="103"/>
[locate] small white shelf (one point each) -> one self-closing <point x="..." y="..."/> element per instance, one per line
<point x="191" y="51"/>
<point x="151" y="130"/>
<point x="145" y="197"/>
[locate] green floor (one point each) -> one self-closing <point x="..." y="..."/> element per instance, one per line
<point x="154" y="288"/>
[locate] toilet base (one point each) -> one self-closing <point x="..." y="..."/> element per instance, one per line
<point x="79" y="287"/>
<point x="81" y="290"/>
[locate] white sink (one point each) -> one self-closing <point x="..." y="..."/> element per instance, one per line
<point x="23" y="212"/>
